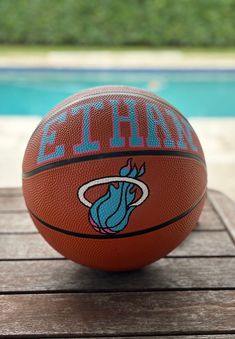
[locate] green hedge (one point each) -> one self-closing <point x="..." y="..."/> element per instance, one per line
<point x="118" y="22"/>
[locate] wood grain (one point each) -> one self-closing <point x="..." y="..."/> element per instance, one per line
<point x="33" y="246"/>
<point x="209" y="220"/>
<point x="207" y="336"/>
<point x="12" y="203"/>
<point x="216" y="243"/>
<point x="64" y="275"/>
<point x="10" y="191"/>
<point x="21" y="222"/>
<point x="130" y="313"/>
<point x="188" y="295"/>
<point x="16" y="223"/>
<point x="25" y="246"/>
<point x="225" y="208"/>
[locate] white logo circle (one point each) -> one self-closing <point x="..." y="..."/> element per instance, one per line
<point x="82" y="190"/>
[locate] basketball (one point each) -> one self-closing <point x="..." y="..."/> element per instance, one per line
<point x="114" y="178"/>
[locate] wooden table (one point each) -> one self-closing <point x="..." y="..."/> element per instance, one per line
<point x="189" y="294"/>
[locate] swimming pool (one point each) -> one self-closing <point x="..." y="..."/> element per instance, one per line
<point x="194" y="93"/>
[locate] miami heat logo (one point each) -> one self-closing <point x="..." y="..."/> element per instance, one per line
<point x="111" y="212"/>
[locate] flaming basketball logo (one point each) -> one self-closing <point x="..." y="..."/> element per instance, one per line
<point x="111" y="212"/>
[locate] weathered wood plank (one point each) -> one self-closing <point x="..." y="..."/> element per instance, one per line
<point x="217" y="243"/>
<point x="33" y="246"/>
<point x="225" y="207"/>
<point x="10" y="191"/>
<point x="16" y="223"/>
<point x="25" y="246"/>
<point x="21" y="222"/>
<point x="11" y="200"/>
<point x="12" y="203"/>
<point x="209" y="220"/>
<point x="140" y="313"/>
<point x="207" y="336"/>
<point x="64" y="275"/>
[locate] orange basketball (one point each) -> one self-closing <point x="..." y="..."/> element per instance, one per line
<point x="114" y="178"/>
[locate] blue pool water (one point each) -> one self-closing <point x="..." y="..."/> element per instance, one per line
<point x="194" y="93"/>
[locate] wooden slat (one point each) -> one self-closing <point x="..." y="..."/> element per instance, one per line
<point x="207" y="336"/>
<point x="10" y="191"/>
<point x="33" y="246"/>
<point x="171" y="298"/>
<point x="209" y="220"/>
<point x="226" y="210"/>
<point x="25" y="246"/>
<point x="16" y="223"/>
<point x="11" y="200"/>
<point x="21" y="222"/>
<point x="12" y="203"/>
<point x="216" y="243"/>
<point x="141" y="313"/>
<point x="64" y="275"/>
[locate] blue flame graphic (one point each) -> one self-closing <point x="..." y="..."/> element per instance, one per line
<point x="111" y="212"/>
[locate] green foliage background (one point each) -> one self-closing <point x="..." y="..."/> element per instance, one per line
<point x="118" y="22"/>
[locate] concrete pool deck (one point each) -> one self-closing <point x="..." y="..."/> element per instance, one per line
<point x="216" y="135"/>
<point x="129" y="59"/>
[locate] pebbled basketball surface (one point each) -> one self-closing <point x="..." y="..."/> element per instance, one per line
<point x="114" y="178"/>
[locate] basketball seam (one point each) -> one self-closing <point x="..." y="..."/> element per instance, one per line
<point x="117" y="92"/>
<point x="152" y="97"/>
<point x="102" y="156"/>
<point x="123" y="235"/>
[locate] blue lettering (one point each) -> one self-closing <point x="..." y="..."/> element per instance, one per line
<point x="49" y="139"/>
<point x="153" y="139"/>
<point x="86" y="145"/>
<point x="182" y="134"/>
<point x="117" y="140"/>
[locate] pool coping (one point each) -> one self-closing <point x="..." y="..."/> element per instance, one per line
<point x="119" y="69"/>
<point x="106" y="60"/>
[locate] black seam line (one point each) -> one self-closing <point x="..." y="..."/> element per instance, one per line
<point x="101" y="156"/>
<point x="122" y="235"/>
